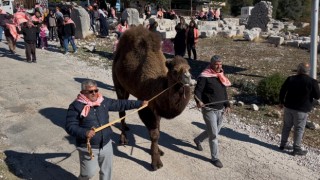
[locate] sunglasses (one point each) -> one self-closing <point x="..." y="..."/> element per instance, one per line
<point x="91" y="91"/>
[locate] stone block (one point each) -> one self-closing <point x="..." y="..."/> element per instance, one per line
<point x="250" y="35"/>
<point x="132" y="16"/>
<point x="232" y="21"/>
<point x="208" y="33"/>
<point x="82" y="21"/>
<point x="294" y="43"/>
<point x="305" y="45"/>
<point x="168" y="34"/>
<point x="276" y="40"/>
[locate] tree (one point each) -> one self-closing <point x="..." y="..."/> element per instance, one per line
<point x="291" y="9"/>
<point x="306" y="10"/>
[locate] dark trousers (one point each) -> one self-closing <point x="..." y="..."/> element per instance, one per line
<point x="30" y="51"/>
<point x="60" y="29"/>
<point x="53" y="33"/>
<point x="38" y="40"/>
<point x="44" y="42"/>
<point x="191" y="46"/>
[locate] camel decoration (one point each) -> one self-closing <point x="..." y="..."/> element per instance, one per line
<point x="140" y="69"/>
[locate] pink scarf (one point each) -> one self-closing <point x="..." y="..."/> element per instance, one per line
<point x="88" y="104"/>
<point x="208" y="72"/>
<point x="70" y="22"/>
<point x="13" y="31"/>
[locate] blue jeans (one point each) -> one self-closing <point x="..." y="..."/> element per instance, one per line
<point x="102" y="158"/>
<point x="213" y="119"/>
<point x="1" y="31"/>
<point x="66" y="41"/>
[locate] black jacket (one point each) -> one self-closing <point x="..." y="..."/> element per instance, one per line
<point x="29" y="34"/>
<point x="69" y="30"/>
<point x="99" y="115"/>
<point x="210" y="90"/>
<point x="298" y="92"/>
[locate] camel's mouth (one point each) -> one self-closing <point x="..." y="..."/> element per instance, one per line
<point x="186" y="79"/>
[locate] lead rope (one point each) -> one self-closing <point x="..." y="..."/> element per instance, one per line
<point x="118" y="120"/>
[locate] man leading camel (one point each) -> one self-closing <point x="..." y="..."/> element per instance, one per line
<point x="90" y="109"/>
<point x="211" y="96"/>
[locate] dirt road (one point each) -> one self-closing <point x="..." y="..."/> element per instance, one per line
<point x="33" y="103"/>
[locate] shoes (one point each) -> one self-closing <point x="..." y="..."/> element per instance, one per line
<point x="198" y="144"/>
<point x="217" y="163"/>
<point x="299" y="152"/>
<point x="28" y="61"/>
<point x="286" y="147"/>
<point x="75" y="52"/>
<point x="34" y="61"/>
<point x="66" y="53"/>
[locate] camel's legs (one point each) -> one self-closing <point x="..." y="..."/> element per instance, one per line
<point x="152" y="122"/>
<point x="122" y="94"/>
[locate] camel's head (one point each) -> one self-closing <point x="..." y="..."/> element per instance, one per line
<point x="178" y="70"/>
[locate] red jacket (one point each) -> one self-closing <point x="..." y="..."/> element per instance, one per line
<point x="196" y="34"/>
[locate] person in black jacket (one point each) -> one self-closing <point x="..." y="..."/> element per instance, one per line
<point x="89" y="110"/>
<point x="68" y="34"/>
<point x="211" y="96"/>
<point x="296" y="95"/>
<point x="30" y="32"/>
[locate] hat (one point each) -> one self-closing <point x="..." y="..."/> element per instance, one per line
<point x="215" y="58"/>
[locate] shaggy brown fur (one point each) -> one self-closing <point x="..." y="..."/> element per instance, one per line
<point x="140" y="68"/>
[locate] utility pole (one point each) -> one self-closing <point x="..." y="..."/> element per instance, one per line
<point x="314" y="38"/>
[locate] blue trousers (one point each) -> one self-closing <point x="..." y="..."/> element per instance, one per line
<point x="66" y="41"/>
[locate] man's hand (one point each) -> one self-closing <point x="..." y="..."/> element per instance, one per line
<point x="145" y="103"/>
<point x="200" y="104"/>
<point x="90" y="133"/>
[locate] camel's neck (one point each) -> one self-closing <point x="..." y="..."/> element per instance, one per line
<point x="173" y="101"/>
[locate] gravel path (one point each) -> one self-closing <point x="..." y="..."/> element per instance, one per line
<point x="33" y="103"/>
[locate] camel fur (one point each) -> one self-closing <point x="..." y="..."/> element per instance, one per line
<point x="140" y="69"/>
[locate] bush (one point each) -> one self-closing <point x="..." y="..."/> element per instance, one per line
<point x="269" y="88"/>
<point x="246" y="87"/>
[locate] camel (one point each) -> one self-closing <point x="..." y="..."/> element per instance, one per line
<point x="140" y="69"/>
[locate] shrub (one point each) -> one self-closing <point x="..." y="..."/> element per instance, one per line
<point x="246" y="87"/>
<point x="269" y="88"/>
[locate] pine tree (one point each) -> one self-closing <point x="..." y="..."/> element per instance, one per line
<point x="291" y="9"/>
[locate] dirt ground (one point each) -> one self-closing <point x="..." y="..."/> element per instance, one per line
<point x="33" y="103"/>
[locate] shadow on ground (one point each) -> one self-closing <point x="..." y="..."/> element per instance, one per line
<point x="6" y="53"/>
<point x="165" y="140"/>
<point x="58" y="117"/>
<point x="230" y="133"/>
<point x="99" y="83"/>
<point x="37" y="166"/>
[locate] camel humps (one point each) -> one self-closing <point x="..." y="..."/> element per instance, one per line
<point x="140" y="69"/>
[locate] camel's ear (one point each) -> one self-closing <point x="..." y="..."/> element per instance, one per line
<point x="169" y="64"/>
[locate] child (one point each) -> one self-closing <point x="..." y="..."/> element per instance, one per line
<point x="43" y="36"/>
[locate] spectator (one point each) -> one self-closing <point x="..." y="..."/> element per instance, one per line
<point x="3" y="18"/>
<point x="122" y="26"/>
<point x="60" y="23"/>
<point x="44" y="32"/>
<point x="52" y="24"/>
<point x="180" y="38"/>
<point x="192" y="35"/>
<point x="30" y="39"/>
<point x="11" y="34"/>
<point x="37" y="21"/>
<point x="104" y="27"/>
<point x="92" y="19"/>
<point x="217" y="14"/>
<point x="296" y="95"/>
<point x="160" y="13"/>
<point x="211" y="88"/>
<point x="68" y="34"/>
<point x="91" y="109"/>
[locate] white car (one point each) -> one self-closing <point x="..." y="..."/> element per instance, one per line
<point x="7" y="5"/>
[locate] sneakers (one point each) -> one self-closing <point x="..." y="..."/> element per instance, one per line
<point x="299" y="152"/>
<point x="75" y="52"/>
<point x="217" y="163"/>
<point x="198" y="144"/>
<point x="286" y="147"/>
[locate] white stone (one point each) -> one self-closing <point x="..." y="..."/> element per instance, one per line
<point x="240" y="103"/>
<point x="131" y="15"/>
<point x="82" y="21"/>
<point x="254" y="107"/>
<point x="168" y="34"/>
